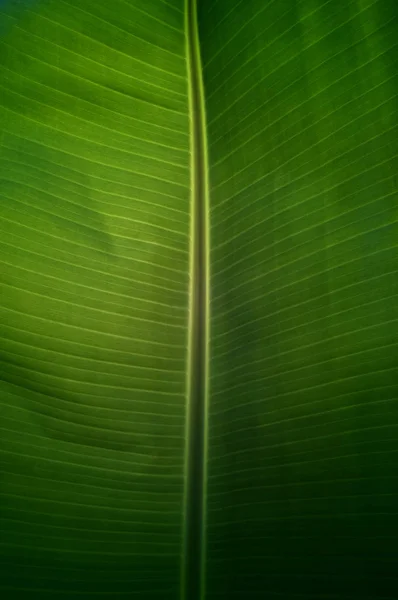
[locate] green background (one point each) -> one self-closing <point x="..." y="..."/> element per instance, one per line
<point x="301" y="104"/>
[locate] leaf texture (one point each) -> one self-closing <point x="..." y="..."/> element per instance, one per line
<point x="301" y="100"/>
<point x="94" y="218"/>
<point x="277" y="478"/>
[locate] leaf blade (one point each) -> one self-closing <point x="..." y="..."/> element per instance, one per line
<point x="95" y="249"/>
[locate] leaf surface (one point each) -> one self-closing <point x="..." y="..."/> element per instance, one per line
<point x="137" y="459"/>
<point x="301" y="101"/>
<point x="94" y="219"/>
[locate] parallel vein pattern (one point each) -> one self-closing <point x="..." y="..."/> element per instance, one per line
<point x="301" y="100"/>
<point x="94" y="258"/>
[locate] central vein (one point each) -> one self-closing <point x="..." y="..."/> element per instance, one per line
<point x="193" y="576"/>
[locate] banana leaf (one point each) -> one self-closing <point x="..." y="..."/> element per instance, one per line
<point x="198" y="305"/>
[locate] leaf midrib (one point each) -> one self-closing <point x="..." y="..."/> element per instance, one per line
<point x="194" y="526"/>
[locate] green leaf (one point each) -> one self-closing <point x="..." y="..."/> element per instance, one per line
<point x="198" y="269"/>
<point x="302" y="110"/>
<point x="94" y="250"/>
